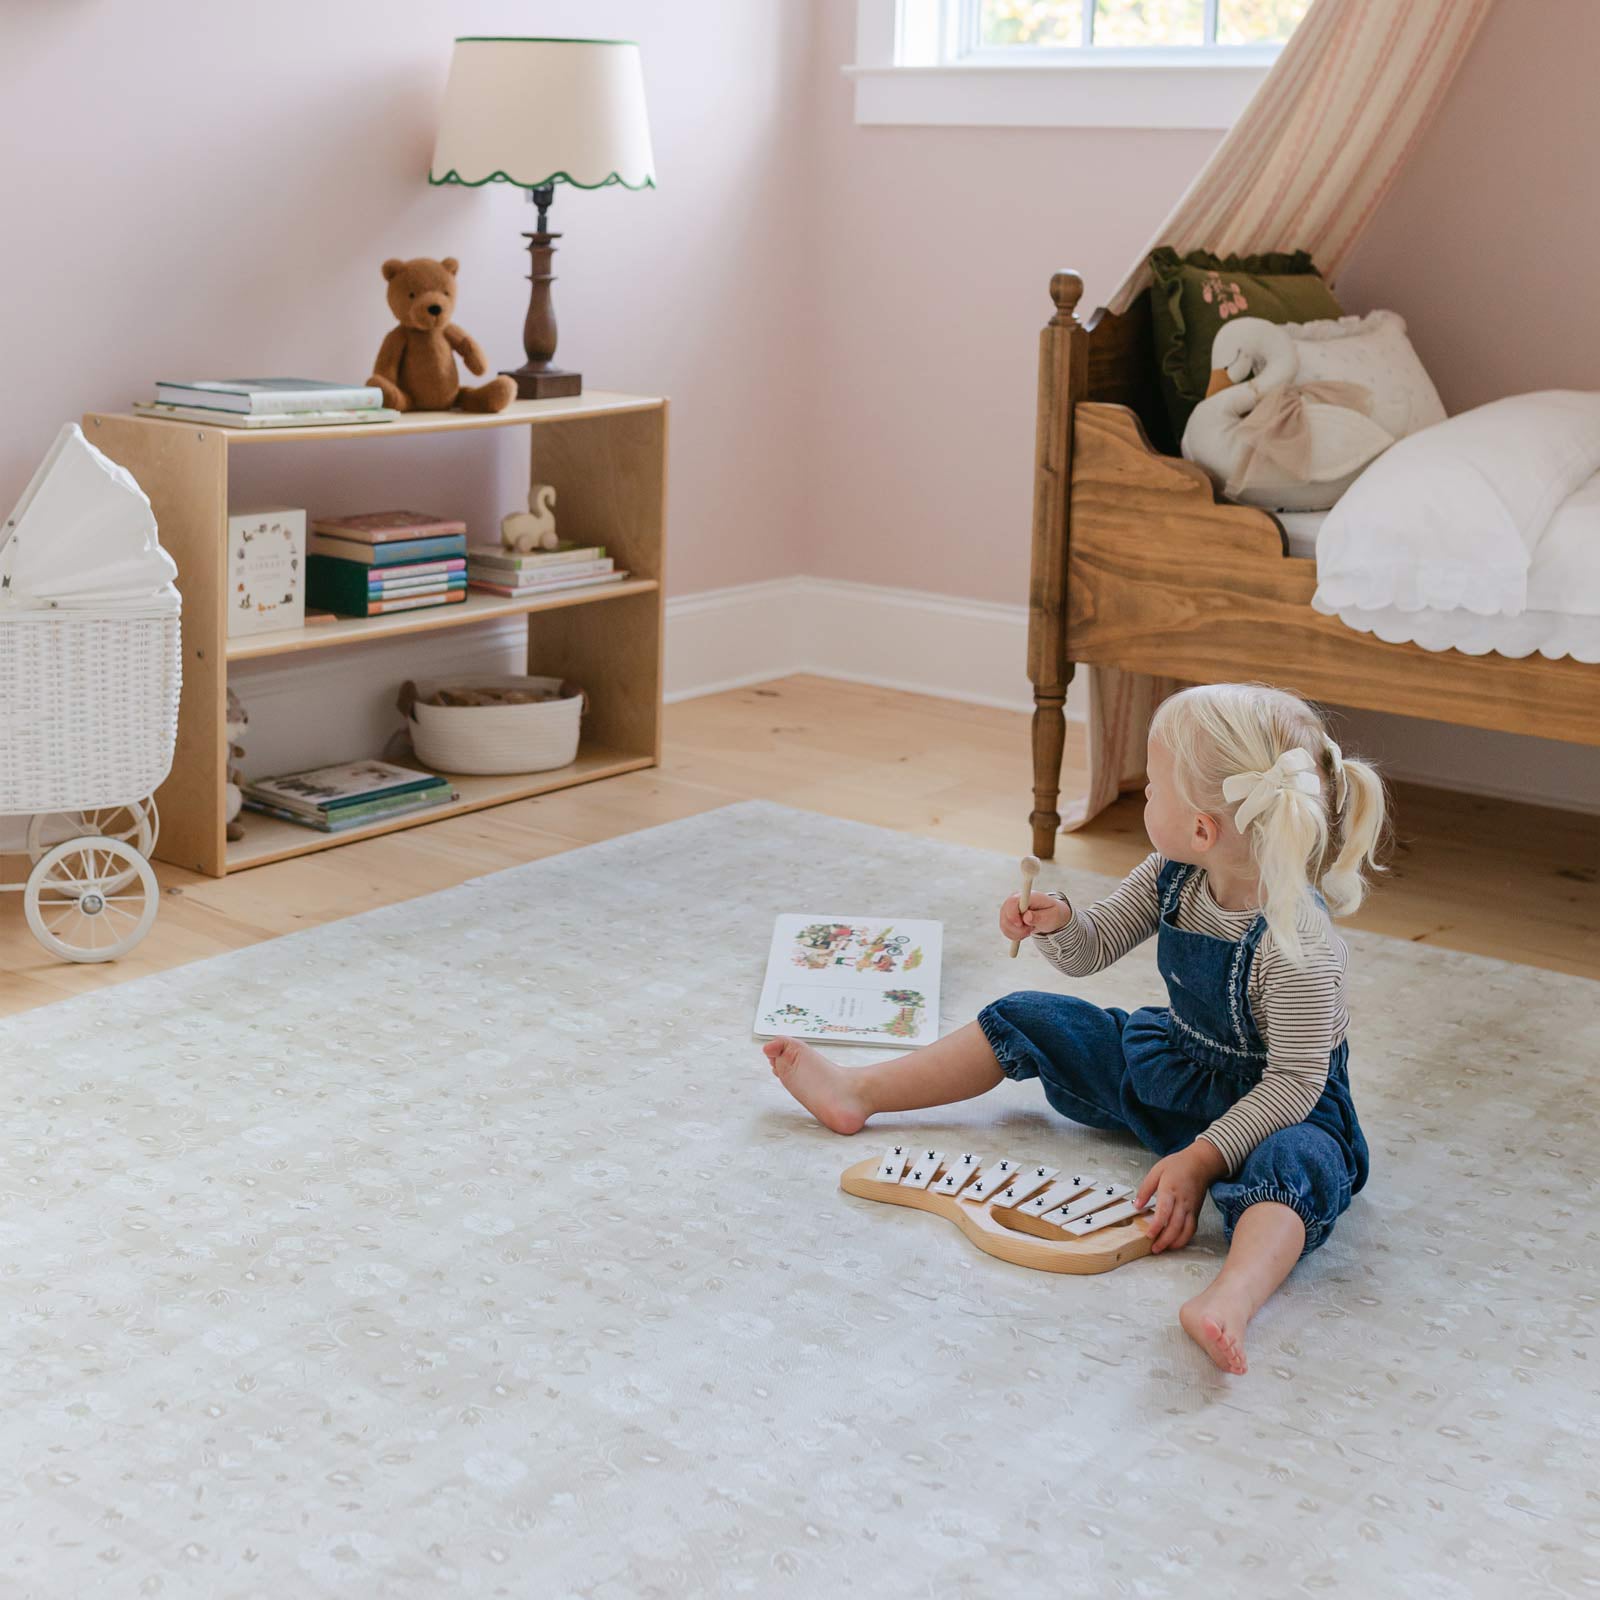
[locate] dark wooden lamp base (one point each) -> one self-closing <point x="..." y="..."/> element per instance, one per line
<point x="539" y="378"/>
<point x="548" y="384"/>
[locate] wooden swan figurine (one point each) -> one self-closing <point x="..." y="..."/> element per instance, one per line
<point x="535" y="528"/>
<point x="1271" y="441"/>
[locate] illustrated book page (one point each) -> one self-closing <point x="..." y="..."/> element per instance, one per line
<point x="852" y="980"/>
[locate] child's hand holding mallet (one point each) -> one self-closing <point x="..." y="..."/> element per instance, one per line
<point x="1028" y="912"/>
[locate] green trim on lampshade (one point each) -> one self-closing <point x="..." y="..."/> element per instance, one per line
<point x="513" y="38"/>
<point x="612" y="181"/>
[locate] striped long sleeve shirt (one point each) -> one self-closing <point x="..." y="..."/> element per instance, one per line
<point x="1299" y="1010"/>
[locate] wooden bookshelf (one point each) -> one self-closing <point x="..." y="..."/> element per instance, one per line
<point x="606" y="455"/>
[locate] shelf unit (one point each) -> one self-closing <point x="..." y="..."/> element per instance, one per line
<point x="606" y="455"/>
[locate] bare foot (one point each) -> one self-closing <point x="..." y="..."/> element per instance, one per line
<point x="827" y="1091"/>
<point x="1215" y="1323"/>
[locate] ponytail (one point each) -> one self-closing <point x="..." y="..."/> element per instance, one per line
<point x="1360" y="828"/>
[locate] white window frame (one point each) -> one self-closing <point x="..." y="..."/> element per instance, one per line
<point x="918" y="64"/>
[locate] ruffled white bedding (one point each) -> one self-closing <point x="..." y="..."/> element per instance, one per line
<point x="1479" y="534"/>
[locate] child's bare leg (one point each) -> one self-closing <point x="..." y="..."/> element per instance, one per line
<point x="1267" y="1241"/>
<point x="956" y="1067"/>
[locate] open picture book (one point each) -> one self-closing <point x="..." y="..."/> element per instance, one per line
<point x="852" y="980"/>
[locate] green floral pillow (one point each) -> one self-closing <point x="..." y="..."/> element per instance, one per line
<point x="1193" y="295"/>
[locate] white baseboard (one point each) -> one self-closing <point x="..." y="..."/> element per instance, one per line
<point x="906" y="639"/>
<point x="974" y="650"/>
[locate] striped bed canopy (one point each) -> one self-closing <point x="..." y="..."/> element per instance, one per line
<point x="1304" y="168"/>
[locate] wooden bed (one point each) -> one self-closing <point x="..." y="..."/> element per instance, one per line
<point x="1137" y="565"/>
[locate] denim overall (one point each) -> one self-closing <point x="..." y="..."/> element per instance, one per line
<point x="1164" y="1074"/>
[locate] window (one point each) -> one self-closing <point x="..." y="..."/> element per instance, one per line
<point x="1066" y="63"/>
<point x="1012" y="29"/>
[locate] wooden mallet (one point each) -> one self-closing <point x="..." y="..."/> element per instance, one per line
<point x="1030" y="871"/>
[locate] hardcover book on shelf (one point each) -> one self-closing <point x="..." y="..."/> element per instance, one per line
<point x="399" y="553"/>
<point x="358" y="591"/>
<point x="266" y="570"/>
<point x="268" y="396"/>
<point x="552" y="586"/>
<point x="233" y="419"/>
<point x="384" y="527"/>
<point x="344" y="783"/>
<point x="555" y="574"/>
<point x="852" y="980"/>
<point x="383" y="589"/>
<point x="495" y="555"/>
<point x="345" y="817"/>
<point x="453" y="566"/>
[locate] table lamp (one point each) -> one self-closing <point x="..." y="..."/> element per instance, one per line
<point x="538" y="112"/>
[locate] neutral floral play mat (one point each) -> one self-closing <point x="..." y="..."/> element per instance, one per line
<point x="467" y="1247"/>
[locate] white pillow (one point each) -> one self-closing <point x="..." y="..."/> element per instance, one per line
<point x="1373" y="351"/>
<point x="1452" y="516"/>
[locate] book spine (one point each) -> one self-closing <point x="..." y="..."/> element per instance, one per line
<point x="378" y="607"/>
<point x="521" y="591"/>
<point x="536" y="563"/>
<point x="425" y="569"/>
<point x="377" y="586"/>
<point x="291" y="403"/>
<point x="347" y="553"/>
<point x="393" y="533"/>
<point x="570" y="569"/>
<point x="269" y="403"/>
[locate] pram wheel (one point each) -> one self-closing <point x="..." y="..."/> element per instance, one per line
<point x="91" y="899"/>
<point x="133" y="824"/>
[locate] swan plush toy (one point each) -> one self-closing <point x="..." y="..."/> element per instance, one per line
<point x="1270" y="441"/>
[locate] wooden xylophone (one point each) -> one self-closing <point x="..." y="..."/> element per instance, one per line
<point x="1024" y="1212"/>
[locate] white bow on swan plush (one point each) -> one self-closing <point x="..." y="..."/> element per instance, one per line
<point x="1271" y="441"/>
<point x="535" y="528"/>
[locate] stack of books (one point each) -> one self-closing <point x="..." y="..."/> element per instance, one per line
<point x="569" y="566"/>
<point x="331" y="799"/>
<point x="380" y="561"/>
<point x="266" y="403"/>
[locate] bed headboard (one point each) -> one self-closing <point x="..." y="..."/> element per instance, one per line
<point x="1121" y="356"/>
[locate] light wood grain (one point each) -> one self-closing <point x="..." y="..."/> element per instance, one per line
<point x="520" y="413"/>
<point x="1162" y="579"/>
<point x="477" y="607"/>
<point x="606" y="454"/>
<point x="1041" y="1247"/>
<point x="1137" y="566"/>
<point x="1516" y="882"/>
<point x="184" y="471"/>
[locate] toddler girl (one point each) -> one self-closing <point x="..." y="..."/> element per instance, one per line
<point x="1260" y="827"/>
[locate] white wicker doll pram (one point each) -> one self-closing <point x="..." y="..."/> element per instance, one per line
<point x="90" y="666"/>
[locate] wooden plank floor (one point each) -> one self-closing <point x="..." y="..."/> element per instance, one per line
<point x="1518" y="882"/>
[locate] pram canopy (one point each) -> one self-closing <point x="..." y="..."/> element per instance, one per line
<point x="83" y="539"/>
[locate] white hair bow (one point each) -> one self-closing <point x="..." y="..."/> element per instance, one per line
<point x="1294" y="769"/>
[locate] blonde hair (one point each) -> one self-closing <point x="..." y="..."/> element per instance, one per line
<point x="1324" y="839"/>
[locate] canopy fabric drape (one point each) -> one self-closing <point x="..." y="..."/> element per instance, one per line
<point x="1304" y="168"/>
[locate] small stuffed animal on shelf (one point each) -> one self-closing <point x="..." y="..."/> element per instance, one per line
<point x="535" y="528"/>
<point x="238" y="720"/>
<point x="416" y="366"/>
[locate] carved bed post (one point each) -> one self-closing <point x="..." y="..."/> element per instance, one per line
<point x="1063" y="381"/>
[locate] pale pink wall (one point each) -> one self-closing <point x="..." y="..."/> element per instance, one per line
<point x="1489" y="243"/>
<point x="191" y="189"/>
<point x="934" y="249"/>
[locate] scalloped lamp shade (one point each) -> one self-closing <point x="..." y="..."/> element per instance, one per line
<point x="534" y="112"/>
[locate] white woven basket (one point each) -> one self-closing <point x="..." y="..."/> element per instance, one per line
<point x="490" y="739"/>
<point x="88" y="708"/>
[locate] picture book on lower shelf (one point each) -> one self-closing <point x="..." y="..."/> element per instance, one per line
<point x="852" y="980"/>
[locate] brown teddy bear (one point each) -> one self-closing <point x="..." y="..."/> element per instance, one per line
<point x="416" y="367"/>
